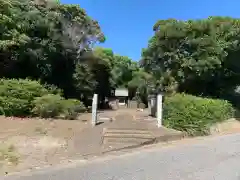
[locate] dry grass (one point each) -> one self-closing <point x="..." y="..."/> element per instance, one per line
<point x="42" y="142"/>
<point x="29" y="143"/>
<point x="9" y="154"/>
<point x="28" y="126"/>
<point x="226" y="127"/>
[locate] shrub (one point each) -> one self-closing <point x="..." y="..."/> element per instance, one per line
<point x="71" y="108"/>
<point x="48" y="106"/>
<point x="21" y="89"/>
<point x="194" y="115"/>
<point x="23" y="97"/>
<point x="11" y="106"/>
<point x="16" y="96"/>
<point x="53" y="105"/>
<point x="53" y="89"/>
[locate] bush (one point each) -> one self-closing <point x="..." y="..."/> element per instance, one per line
<point x="21" y="89"/>
<point x="194" y="115"/>
<point x="16" y="96"/>
<point x="72" y="107"/>
<point x="25" y="97"/>
<point x="11" y="106"/>
<point x="53" y="105"/>
<point x="48" y="106"/>
<point x="53" y="89"/>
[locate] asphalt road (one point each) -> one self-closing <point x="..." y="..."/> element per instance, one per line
<point x="216" y="158"/>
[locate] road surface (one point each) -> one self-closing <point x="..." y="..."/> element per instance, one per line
<point x="216" y="158"/>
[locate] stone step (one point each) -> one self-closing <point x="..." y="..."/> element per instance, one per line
<point x="128" y="140"/>
<point x="126" y="136"/>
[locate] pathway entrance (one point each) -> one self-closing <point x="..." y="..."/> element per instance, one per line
<point x="124" y="128"/>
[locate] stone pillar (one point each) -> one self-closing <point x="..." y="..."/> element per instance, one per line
<point x="153" y="106"/>
<point x="159" y="109"/>
<point x="94" y="109"/>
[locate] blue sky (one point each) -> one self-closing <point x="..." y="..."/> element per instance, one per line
<point x="127" y="24"/>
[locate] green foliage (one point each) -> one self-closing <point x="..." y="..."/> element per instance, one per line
<point x="25" y="97"/>
<point x="85" y="83"/>
<point x="71" y="108"/>
<point x="53" y="89"/>
<point x="21" y="88"/>
<point x="103" y="71"/>
<point x="44" y="40"/>
<point x="48" y="106"/>
<point x="53" y="105"/>
<point x="16" y="96"/>
<point x="52" y="42"/>
<point x="195" y="56"/>
<point x="195" y="115"/>
<point x="122" y="71"/>
<point x="11" y="106"/>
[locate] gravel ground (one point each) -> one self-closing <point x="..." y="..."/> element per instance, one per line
<point x="215" y="158"/>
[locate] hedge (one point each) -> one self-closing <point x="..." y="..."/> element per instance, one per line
<point x="17" y="95"/>
<point x="11" y="106"/>
<point x="53" y="105"/>
<point x="195" y="115"/>
<point x="71" y="108"/>
<point x="47" y="106"/>
<point x="21" y="88"/>
<point x="23" y="97"/>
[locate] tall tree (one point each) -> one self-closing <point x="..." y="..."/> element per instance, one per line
<point x="195" y="56"/>
<point x="42" y="39"/>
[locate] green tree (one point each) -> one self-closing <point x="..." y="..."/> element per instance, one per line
<point x="194" y="56"/>
<point x="93" y="75"/>
<point x="123" y="70"/>
<point x="45" y="40"/>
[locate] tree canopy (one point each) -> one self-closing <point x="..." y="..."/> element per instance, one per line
<point x="194" y="56"/>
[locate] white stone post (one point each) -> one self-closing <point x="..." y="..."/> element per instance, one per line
<point x="159" y="110"/>
<point x="94" y="109"/>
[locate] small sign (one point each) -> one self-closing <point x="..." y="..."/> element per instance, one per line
<point x="121" y="92"/>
